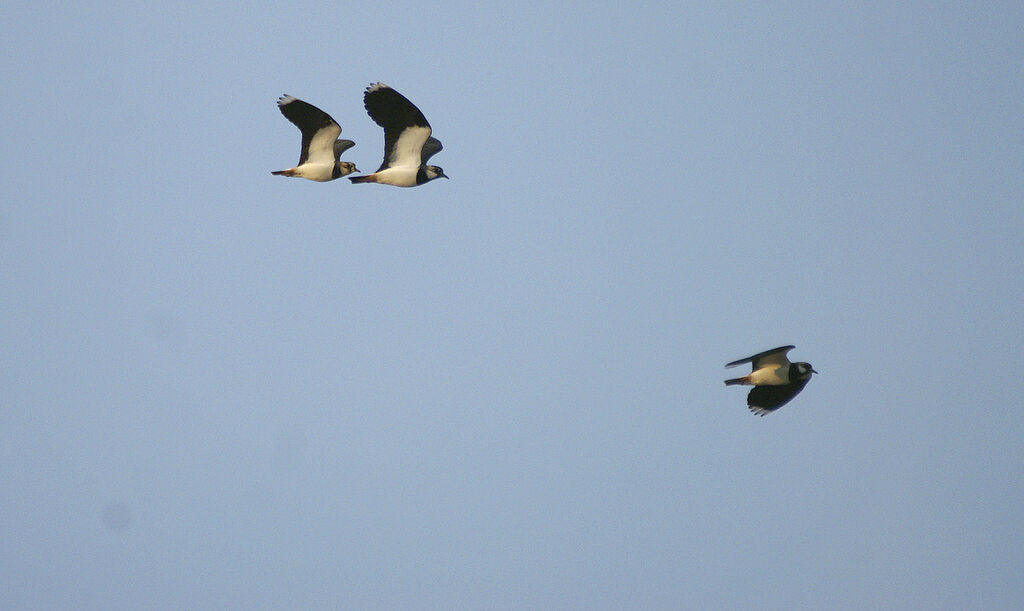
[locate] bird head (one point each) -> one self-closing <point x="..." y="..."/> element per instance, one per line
<point x="804" y="369"/>
<point x="435" y="172"/>
<point x="347" y="167"/>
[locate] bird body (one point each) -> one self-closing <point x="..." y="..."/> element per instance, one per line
<point x="321" y="147"/>
<point x="403" y="176"/>
<point x="769" y="376"/>
<point x="407" y="140"/>
<point x="775" y="379"/>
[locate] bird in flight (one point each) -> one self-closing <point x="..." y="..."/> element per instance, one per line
<point x="407" y="140"/>
<point x="321" y="147"/>
<point x="774" y="378"/>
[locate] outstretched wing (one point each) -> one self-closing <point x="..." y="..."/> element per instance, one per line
<point x="340" y="146"/>
<point x="765" y="399"/>
<point x="319" y="130"/>
<point x="405" y="128"/>
<point x="775" y="356"/>
<point x="430" y="148"/>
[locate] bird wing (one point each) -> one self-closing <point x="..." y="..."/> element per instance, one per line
<point x="340" y="146"/>
<point x="775" y="356"/>
<point x="764" y="399"/>
<point x="319" y="130"/>
<point x="405" y="128"/>
<point x="430" y="148"/>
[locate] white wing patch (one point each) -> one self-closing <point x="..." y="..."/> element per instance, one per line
<point x="408" y="147"/>
<point x="321" y="147"/>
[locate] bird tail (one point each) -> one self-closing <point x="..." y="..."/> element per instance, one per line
<point x="735" y="381"/>
<point x="368" y="178"/>
<point x="290" y="172"/>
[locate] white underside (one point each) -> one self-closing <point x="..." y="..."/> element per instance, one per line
<point x="772" y="375"/>
<point x="319" y="172"/>
<point x="399" y="177"/>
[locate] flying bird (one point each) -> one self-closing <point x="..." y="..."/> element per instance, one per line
<point x="774" y="378"/>
<point x="321" y="147"/>
<point x="407" y="140"/>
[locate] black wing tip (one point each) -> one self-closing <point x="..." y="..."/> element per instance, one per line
<point x="753" y="358"/>
<point x="774" y="350"/>
<point x="376" y="89"/>
<point x="308" y="118"/>
<point x="385" y="103"/>
<point x="761" y="410"/>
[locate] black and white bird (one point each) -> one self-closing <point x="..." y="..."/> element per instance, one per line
<point x="774" y="378"/>
<point x="407" y="140"/>
<point x="321" y="147"/>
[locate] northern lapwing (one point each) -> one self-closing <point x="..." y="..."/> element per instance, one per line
<point x="407" y="140"/>
<point x="774" y="378"/>
<point x="321" y="147"/>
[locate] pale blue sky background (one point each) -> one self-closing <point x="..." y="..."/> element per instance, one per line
<point x="224" y="389"/>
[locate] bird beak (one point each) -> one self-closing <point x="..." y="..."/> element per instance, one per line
<point x="813" y="371"/>
<point x="443" y="175"/>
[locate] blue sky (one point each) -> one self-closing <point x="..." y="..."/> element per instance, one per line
<point x="225" y="389"/>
